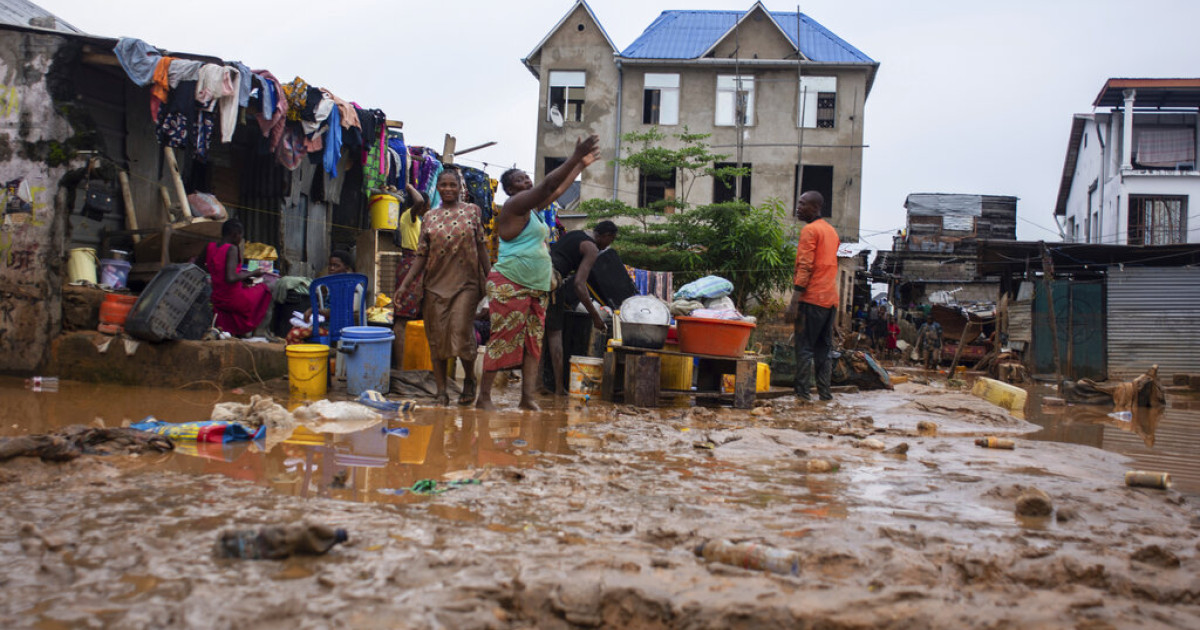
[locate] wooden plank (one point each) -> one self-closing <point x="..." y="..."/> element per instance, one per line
<point x="641" y="380"/>
<point x="716" y="357"/>
<point x="745" y="383"/>
<point x="177" y="181"/>
<point x="609" y="377"/>
<point x="127" y="196"/>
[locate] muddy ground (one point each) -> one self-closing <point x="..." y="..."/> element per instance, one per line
<point x="588" y="517"/>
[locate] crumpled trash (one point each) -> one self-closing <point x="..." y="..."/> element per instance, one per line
<point x="73" y="441"/>
<point x="326" y="416"/>
<point x="261" y="410"/>
<point x="203" y="431"/>
<point x="432" y="486"/>
<point x="1143" y="391"/>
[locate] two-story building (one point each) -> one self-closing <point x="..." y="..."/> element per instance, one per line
<point x="780" y="94"/>
<point x="1130" y="173"/>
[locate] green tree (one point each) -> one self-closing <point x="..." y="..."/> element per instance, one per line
<point x="748" y="245"/>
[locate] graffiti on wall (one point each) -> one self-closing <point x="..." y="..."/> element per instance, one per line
<point x="10" y="101"/>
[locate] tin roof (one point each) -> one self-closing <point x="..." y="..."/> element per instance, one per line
<point x="29" y="15"/>
<point x="690" y="34"/>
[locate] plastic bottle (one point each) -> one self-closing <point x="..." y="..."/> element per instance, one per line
<point x="279" y="542"/>
<point x="995" y="442"/>
<point x="42" y="383"/>
<point x="750" y="556"/>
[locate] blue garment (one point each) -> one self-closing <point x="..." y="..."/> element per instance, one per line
<point x="138" y="59"/>
<point x="396" y="143"/>
<point x="268" y="95"/>
<point x="244" y="87"/>
<point x="479" y="191"/>
<point x="333" y="142"/>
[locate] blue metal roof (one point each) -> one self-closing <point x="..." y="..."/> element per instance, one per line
<point x="688" y="34"/>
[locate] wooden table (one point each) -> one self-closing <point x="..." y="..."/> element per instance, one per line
<point x="634" y="374"/>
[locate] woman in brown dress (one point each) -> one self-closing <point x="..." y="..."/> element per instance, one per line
<point x="452" y="254"/>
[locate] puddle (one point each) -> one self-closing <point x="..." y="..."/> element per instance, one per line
<point x="1162" y="439"/>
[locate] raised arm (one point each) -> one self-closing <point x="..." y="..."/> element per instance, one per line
<point x="569" y="179"/>
<point x="525" y="201"/>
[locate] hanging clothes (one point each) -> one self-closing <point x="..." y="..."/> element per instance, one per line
<point x="297" y="97"/>
<point x="396" y="143"/>
<point x="160" y="86"/>
<point x="216" y="88"/>
<point x="272" y="125"/>
<point x="333" y="141"/>
<point x="244" y="84"/>
<point x="289" y="151"/>
<point x="479" y="190"/>
<point x="138" y="58"/>
<point x="317" y="112"/>
<point x="182" y="125"/>
<point x="183" y="70"/>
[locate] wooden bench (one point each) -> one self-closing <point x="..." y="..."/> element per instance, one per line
<point x="633" y="374"/>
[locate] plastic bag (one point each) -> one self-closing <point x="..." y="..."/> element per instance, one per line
<point x="207" y="206"/>
<point x="704" y="288"/>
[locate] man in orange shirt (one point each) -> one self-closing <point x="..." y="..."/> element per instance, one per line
<point x="814" y="301"/>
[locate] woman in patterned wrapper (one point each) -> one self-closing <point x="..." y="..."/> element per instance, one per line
<point x="454" y="259"/>
<point x="518" y="285"/>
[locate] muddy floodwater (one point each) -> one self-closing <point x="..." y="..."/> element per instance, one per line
<point x="588" y="515"/>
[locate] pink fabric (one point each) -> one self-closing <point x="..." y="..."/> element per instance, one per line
<point x="239" y="309"/>
<point x="273" y="127"/>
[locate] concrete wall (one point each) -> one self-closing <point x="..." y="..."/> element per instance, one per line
<point x="32" y="133"/>
<point x="577" y="45"/>
<point x="1103" y="165"/>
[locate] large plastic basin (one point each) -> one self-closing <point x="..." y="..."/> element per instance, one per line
<point x="720" y="337"/>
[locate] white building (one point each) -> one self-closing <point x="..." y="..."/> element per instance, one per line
<point x="1130" y="174"/>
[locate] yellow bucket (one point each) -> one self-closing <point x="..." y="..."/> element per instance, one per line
<point x="416" y="347"/>
<point x="586" y="373"/>
<point x="308" y="370"/>
<point x="675" y="372"/>
<point x="762" y="378"/>
<point x="415" y="448"/>
<point x="82" y="265"/>
<point x="385" y="212"/>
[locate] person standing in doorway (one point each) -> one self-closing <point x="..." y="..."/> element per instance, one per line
<point x="814" y="297"/>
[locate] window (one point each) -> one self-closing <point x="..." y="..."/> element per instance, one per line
<point x="735" y="100"/>
<point x="820" y="179"/>
<point x="652" y="189"/>
<point x="660" y="99"/>
<point x="726" y="190"/>
<point x="566" y="94"/>
<point x="551" y="163"/>
<point x="1157" y="220"/>
<point x="1095" y="238"/>
<point x="1072" y="232"/>
<point x="818" y="102"/>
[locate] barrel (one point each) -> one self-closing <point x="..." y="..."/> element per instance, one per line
<point x="368" y="352"/>
<point x="586" y="373"/>
<point x="308" y="371"/>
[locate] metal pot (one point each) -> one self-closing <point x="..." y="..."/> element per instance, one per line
<point x="644" y="335"/>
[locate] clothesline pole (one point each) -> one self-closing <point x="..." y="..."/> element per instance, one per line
<point x="448" y="149"/>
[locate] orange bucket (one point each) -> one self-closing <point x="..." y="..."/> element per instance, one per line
<point x="721" y="337"/>
<point x="114" y="310"/>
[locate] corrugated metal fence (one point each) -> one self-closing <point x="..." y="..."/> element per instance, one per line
<point x="1153" y="318"/>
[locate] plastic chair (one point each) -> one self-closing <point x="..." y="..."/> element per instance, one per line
<point x="340" y="304"/>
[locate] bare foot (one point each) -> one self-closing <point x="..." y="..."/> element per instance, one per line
<point x="442" y="399"/>
<point x="528" y="405"/>
<point x="468" y="393"/>
<point x="485" y="404"/>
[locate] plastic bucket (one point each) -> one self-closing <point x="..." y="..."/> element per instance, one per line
<point x="368" y="351"/>
<point x="675" y="371"/>
<point x="114" y="273"/>
<point x="82" y="264"/>
<point x="586" y="373"/>
<point x="416" y="347"/>
<point x="114" y="310"/>
<point x="308" y="371"/>
<point x="385" y="212"/>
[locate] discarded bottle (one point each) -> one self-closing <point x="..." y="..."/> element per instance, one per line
<point x="1147" y="479"/>
<point x="995" y="442"/>
<point x="42" y="383"/>
<point x="277" y="543"/>
<point x="750" y="556"/>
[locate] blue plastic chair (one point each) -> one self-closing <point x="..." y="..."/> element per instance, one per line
<point x="339" y="301"/>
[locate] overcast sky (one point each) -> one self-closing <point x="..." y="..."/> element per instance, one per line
<point x="971" y="97"/>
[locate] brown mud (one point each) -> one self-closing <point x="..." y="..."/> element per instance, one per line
<point x="587" y="516"/>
